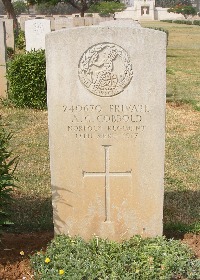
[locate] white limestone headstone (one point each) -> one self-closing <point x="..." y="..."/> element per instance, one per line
<point x="10" y="42"/>
<point x="106" y="114"/>
<point x="3" y="80"/>
<point x="121" y="23"/>
<point x="22" y="20"/>
<point x="63" y="22"/>
<point x="35" y="31"/>
<point x="78" y="21"/>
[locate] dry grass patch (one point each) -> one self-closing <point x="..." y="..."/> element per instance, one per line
<point x="183" y="67"/>
<point x="182" y="166"/>
<point x="182" y="121"/>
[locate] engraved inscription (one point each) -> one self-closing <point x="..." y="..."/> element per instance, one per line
<point x="110" y="121"/>
<point x="107" y="174"/>
<point x="38" y="27"/>
<point x="105" y="69"/>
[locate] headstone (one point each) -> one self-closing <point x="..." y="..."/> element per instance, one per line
<point x="106" y="114"/>
<point x="35" y="31"/>
<point x="52" y="20"/>
<point x="89" y="21"/>
<point x="3" y="81"/>
<point x="63" y="22"/>
<point x="10" y="42"/>
<point x="121" y="23"/>
<point x="78" y="21"/>
<point x="22" y="20"/>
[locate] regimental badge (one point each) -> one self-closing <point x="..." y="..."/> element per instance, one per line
<point x="105" y="69"/>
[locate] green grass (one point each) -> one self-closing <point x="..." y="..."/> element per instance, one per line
<point x="183" y="65"/>
<point x="31" y="209"/>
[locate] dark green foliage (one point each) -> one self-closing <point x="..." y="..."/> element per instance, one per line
<point x="167" y="20"/>
<point x="10" y="52"/>
<point x="136" y="259"/>
<point x="189" y="22"/>
<point x="183" y="9"/>
<point x="107" y="8"/>
<point x="60" y="8"/>
<point x="20" y="40"/>
<point x="20" y="7"/>
<point x="7" y="168"/>
<point x="26" y="75"/>
<point x="182" y="21"/>
<point x="171" y="3"/>
<point x="196" y="22"/>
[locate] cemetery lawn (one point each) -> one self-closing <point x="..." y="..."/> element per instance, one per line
<point x="31" y="209"/>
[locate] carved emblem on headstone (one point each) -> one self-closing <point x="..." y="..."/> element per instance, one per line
<point x="105" y="69"/>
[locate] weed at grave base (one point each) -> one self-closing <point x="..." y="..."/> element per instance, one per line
<point x="7" y="168"/>
<point x="147" y="259"/>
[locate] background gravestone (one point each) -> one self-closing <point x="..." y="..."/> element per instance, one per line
<point x="78" y="21"/>
<point x="22" y="20"/>
<point x="64" y="22"/>
<point x="35" y="31"/>
<point x="10" y="42"/>
<point x="3" y="81"/>
<point x="106" y="110"/>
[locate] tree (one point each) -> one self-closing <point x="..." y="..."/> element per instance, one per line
<point x="20" y="7"/>
<point x="10" y="12"/>
<point x="81" y="5"/>
<point x="107" y="8"/>
<point x="183" y="9"/>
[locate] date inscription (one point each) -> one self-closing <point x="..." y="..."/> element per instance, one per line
<point x="106" y="122"/>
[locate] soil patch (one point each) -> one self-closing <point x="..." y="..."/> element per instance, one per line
<point x="15" y="250"/>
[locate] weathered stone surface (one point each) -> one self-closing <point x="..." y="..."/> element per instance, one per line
<point x="35" y="31"/>
<point x="3" y="80"/>
<point x="78" y="21"/>
<point x="121" y="23"/>
<point x="63" y="22"/>
<point x="9" y="33"/>
<point x="106" y="108"/>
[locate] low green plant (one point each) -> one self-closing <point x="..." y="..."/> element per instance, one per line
<point x="196" y="22"/>
<point x="188" y="22"/>
<point x="26" y="75"/>
<point x="183" y="228"/>
<point x="20" y="40"/>
<point x="135" y="259"/>
<point x="10" y="52"/>
<point x="7" y="168"/>
<point x="167" y="20"/>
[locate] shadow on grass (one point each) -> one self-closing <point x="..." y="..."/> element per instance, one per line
<point x="181" y="213"/>
<point x="30" y="214"/>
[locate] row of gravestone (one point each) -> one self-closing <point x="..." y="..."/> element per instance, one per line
<point x="106" y="117"/>
<point x="57" y="23"/>
<point x="36" y="29"/>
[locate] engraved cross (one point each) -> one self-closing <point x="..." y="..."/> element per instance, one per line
<point x="107" y="174"/>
